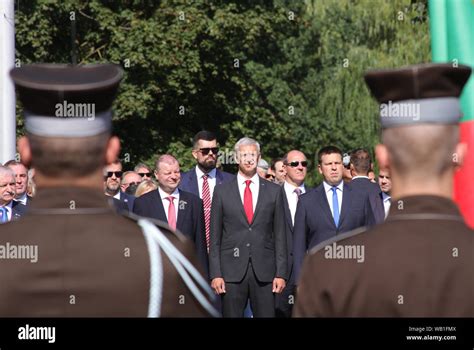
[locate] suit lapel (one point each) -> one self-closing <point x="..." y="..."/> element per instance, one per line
<point x="287" y="209"/>
<point x="346" y="203"/>
<point x="159" y="208"/>
<point x="260" y="199"/>
<point x="219" y="178"/>
<point x="238" y="198"/>
<point x="194" y="182"/>
<point x="182" y="203"/>
<point x="323" y="202"/>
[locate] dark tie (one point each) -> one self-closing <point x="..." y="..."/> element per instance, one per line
<point x="206" y="200"/>
<point x="298" y="193"/>
<point x="248" y="204"/>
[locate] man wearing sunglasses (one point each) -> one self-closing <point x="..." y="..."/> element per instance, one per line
<point x="113" y="177"/>
<point x="295" y="165"/>
<point x="144" y="171"/>
<point x="203" y="178"/>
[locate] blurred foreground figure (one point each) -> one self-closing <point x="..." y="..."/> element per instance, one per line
<point x="420" y="262"/>
<point x="72" y="255"/>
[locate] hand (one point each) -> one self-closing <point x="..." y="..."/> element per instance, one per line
<point x="218" y="285"/>
<point x="278" y="285"/>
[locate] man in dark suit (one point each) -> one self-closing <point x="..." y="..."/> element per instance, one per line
<point x="419" y="262"/>
<point x="360" y="165"/>
<point x="21" y="178"/>
<point x="248" y="257"/>
<point x="329" y="209"/>
<point x="9" y="209"/>
<point x="78" y="257"/>
<point x="180" y="209"/>
<point x="203" y="178"/>
<point x="295" y="165"/>
<point x="112" y="177"/>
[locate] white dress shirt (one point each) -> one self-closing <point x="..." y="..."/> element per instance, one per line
<point x="211" y="180"/>
<point x="23" y="199"/>
<point x="117" y="196"/>
<point x="166" y="202"/>
<point x="292" y="198"/>
<point x="386" y="203"/>
<point x="328" y="189"/>
<point x="360" y="177"/>
<point x="254" y="187"/>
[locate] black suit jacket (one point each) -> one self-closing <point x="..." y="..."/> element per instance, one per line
<point x="189" y="181"/>
<point x="234" y="241"/>
<point x="364" y="187"/>
<point x="314" y="222"/>
<point x="289" y="229"/>
<point x="18" y="210"/>
<point x="190" y="218"/>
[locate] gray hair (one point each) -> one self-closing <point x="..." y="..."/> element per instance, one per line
<point x="5" y="171"/>
<point x="141" y="165"/>
<point x="246" y="141"/>
<point x="165" y="158"/>
<point x="263" y="164"/>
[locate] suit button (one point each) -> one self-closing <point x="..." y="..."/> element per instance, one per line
<point x="248" y="244"/>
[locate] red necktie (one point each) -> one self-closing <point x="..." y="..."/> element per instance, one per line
<point x="206" y="200"/>
<point x="171" y="213"/>
<point x="248" y="204"/>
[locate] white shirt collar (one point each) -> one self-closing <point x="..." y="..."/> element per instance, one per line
<point x="200" y="173"/>
<point x="164" y="195"/>
<point x="117" y="196"/>
<point x="328" y="187"/>
<point x="360" y="177"/>
<point x="290" y="188"/>
<point x="254" y="179"/>
<point x="22" y="199"/>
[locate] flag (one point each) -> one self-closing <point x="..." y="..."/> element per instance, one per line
<point x="452" y="40"/>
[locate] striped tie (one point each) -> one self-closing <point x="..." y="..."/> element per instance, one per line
<point x="206" y="199"/>
<point x="3" y="215"/>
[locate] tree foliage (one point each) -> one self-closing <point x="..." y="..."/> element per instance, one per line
<point x="287" y="73"/>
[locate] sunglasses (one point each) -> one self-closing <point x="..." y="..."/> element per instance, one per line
<point x="145" y="174"/>
<point x="269" y="176"/>
<point x="111" y="173"/>
<point x="205" y="151"/>
<point x="304" y="163"/>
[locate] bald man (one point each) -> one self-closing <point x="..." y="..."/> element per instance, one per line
<point x="180" y="209"/>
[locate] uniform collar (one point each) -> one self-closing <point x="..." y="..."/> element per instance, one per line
<point x="69" y="198"/>
<point x="424" y="204"/>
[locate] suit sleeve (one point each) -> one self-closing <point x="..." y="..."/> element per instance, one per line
<point x="200" y="236"/>
<point x="299" y="238"/>
<point x="215" y="235"/>
<point x="281" y="256"/>
<point x="138" y="207"/>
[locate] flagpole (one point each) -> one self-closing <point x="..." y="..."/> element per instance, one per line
<point x="7" y="89"/>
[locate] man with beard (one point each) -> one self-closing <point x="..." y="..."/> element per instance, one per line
<point x="202" y="179"/>
<point x="112" y="176"/>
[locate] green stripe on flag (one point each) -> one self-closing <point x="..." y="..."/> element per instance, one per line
<point x="452" y="40"/>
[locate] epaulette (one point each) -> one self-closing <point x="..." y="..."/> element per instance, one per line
<point x="338" y="238"/>
<point x="158" y="223"/>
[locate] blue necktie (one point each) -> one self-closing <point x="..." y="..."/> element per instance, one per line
<point x="3" y="215"/>
<point x="335" y="206"/>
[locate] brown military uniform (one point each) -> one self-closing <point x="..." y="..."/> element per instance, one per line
<point x="419" y="263"/>
<point x="91" y="262"/>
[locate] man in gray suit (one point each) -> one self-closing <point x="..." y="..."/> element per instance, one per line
<point x="248" y="250"/>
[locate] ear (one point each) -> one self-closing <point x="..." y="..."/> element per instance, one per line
<point x="460" y="154"/>
<point x="24" y="150"/>
<point x="113" y="150"/>
<point x="194" y="153"/>
<point x="319" y="169"/>
<point x="381" y="153"/>
<point x="155" y="172"/>
<point x="351" y="169"/>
